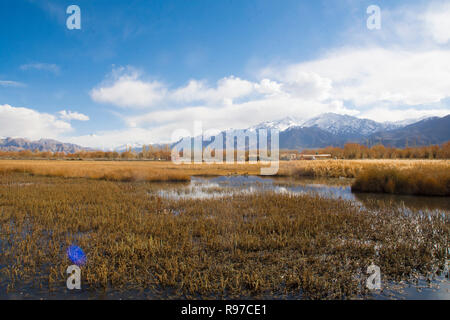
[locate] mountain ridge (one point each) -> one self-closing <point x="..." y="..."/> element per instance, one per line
<point x="20" y="144"/>
<point x="328" y="129"/>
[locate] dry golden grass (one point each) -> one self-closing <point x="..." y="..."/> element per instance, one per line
<point x="257" y="245"/>
<point x="168" y="171"/>
<point x="123" y="170"/>
<point x="417" y="180"/>
<point x="352" y="168"/>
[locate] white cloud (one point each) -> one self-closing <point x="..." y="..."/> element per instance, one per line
<point x="308" y="85"/>
<point x="367" y="76"/>
<point x="41" y="67"/>
<point x="109" y="140"/>
<point x="72" y="115"/>
<point x="414" y="26"/>
<point x="127" y="90"/>
<point x="28" y="123"/>
<point x="389" y="114"/>
<point x="437" y="22"/>
<point x="8" y="83"/>
<point x="227" y="89"/>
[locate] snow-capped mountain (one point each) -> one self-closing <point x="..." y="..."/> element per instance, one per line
<point x="325" y="130"/>
<point x="125" y="147"/>
<point x="328" y="129"/>
<point x="281" y="125"/>
<point x="432" y="130"/>
<point x="347" y="125"/>
<point x="407" y="122"/>
<point x="335" y="129"/>
<point x="19" y="144"/>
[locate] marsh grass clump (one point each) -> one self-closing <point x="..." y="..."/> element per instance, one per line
<point x="415" y="181"/>
<point x="353" y="168"/>
<point x="250" y="245"/>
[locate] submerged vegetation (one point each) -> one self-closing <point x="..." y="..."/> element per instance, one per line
<point x="249" y="245"/>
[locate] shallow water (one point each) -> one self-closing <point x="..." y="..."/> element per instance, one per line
<point x="220" y="187"/>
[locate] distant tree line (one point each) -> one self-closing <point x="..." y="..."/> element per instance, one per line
<point x="147" y="153"/>
<point x="349" y="151"/>
<point x="358" y="151"/>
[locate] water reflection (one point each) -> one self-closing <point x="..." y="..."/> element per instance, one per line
<point x="221" y="187"/>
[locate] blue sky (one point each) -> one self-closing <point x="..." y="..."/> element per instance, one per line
<point x="138" y="70"/>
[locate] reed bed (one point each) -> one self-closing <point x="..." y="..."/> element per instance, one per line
<point x="352" y="168"/>
<point x="255" y="245"/>
<point x="419" y="180"/>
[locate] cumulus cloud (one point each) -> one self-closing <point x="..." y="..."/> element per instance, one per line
<point x="227" y="89"/>
<point x="125" y="89"/>
<point x="366" y="76"/>
<point x="72" y="115"/>
<point x="41" y="67"/>
<point x="29" y="123"/>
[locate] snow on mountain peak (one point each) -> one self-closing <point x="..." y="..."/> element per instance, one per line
<point x="345" y="124"/>
<point x="281" y="124"/>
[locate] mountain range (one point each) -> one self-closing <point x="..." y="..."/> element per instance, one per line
<point x="336" y="130"/>
<point x="19" y="144"/>
<point x="328" y="129"/>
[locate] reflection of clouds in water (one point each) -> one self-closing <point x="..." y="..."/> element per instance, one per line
<point x="222" y="187"/>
